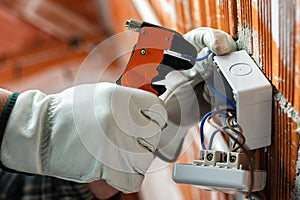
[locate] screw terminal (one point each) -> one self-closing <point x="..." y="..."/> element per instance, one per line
<point x="232" y="160"/>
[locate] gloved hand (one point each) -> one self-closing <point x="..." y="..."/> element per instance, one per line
<point x="85" y="133"/>
<point x="183" y="99"/>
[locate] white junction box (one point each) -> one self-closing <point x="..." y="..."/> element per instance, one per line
<point x="252" y="93"/>
<point x="239" y="80"/>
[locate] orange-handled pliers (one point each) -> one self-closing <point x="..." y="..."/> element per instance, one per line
<point x="158" y="51"/>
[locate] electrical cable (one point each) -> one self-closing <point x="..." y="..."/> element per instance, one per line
<point x="229" y="112"/>
<point x="217" y="120"/>
<point x="241" y="146"/>
<point x="238" y="133"/>
<point x="197" y="59"/>
<point x="222" y="97"/>
<point x="203" y="57"/>
<point x="233" y="129"/>
<point x="212" y="139"/>
<point x="201" y="127"/>
<point x="213" y="136"/>
<point x="201" y="124"/>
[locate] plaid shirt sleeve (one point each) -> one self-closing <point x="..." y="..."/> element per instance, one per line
<point x="19" y="186"/>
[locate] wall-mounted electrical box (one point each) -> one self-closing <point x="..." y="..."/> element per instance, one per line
<point x="252" y="94"/>
<point x="239" y="80"/>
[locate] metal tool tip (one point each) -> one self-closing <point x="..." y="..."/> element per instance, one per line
<point x="134" y="25"/>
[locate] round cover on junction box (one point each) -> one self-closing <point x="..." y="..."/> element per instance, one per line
<point x="240" y="69"/>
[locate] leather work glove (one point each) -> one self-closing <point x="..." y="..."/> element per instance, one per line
<point x="183" y="97"/>
<point x="85" y="133"/>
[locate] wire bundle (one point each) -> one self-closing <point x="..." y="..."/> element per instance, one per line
<point x="225" y="122"/>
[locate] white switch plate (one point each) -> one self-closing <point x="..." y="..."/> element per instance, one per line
<point x="214" y="178"/>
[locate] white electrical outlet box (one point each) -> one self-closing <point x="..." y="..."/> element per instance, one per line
<point x="252" y="93"/>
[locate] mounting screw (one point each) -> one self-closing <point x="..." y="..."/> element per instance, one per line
<point x="209" y="156"/>
<point x="168" y="38"/>
<point x="143" y="52"/>
<point x="144" y="32"/>
<point x="232" y="159"/>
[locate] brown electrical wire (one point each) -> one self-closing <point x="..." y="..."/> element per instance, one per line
<point x="231" y="117"/>
<point x="239" y="133"/>
<point x="241" y="146"/>
<point x="230" y="112"/>
<point x="218" y="122"/>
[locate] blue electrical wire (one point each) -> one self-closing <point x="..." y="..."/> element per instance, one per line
<point x="201" y="127"/>
<point x="197" y="59"/>
<point x="203" y="57"/>
<point x="201" y="124"/>
<point x="222" y="97"/>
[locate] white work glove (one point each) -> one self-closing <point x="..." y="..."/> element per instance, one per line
<point x="184" y="102"/>
<point x="85" y="133"/>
